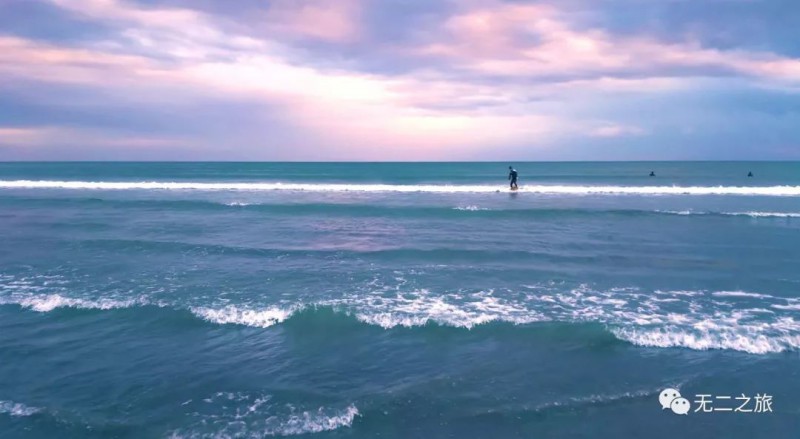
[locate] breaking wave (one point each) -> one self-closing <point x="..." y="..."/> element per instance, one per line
<point x="744" y="339"/>
<point x="741" y="294"/>
<point x="747" y="214"/>
<point x="790" y="191"/>
<point x="248" y="317"/>
<point x="50" y="302"/>
<point x="470" y="208"/>
<point x="699" y="320"/>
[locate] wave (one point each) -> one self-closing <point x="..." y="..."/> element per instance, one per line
<point x="699" y="320"/>
<point x="789" y="307"/>
<point x="742" y="339"/>
<point x="790" y="191"/>
<point x="229" y="414"/>
<point x="314" y="422"/>
<point x="236" y="315"/>
<point x="386" y="253"/>
<point x="17" y="409"/>
<point x="741" y="294"/>
<point x="370" y="210"/>
<point x="766" y="214"/>
<point x="49" y="302"/>
<point x="594" y="400"/>
<point x="420" y="308"/>
<point x="748" y="214"/>
<point x="470" y="208"/>
<point x="248" y="317"/>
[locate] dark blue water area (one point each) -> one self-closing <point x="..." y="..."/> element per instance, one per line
<point x="156" y="371"/>
<point x="380" y="312"/>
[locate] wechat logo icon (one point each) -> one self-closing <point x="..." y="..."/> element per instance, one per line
<point x="671" y="399"/>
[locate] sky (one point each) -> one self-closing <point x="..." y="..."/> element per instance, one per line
<point x="410" y="80"/>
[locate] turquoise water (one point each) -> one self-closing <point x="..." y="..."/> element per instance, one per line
<point x="358" y="300"/>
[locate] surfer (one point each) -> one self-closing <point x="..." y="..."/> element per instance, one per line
<point x="512" y="175"/>
<point x="750" y="174"/>
<point x="652" y="174"/>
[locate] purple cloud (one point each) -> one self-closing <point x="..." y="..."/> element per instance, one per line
<point x="467" y="80"/>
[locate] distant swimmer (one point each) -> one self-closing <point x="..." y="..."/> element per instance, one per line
<point x="512" y="176"/>
<point x="652" y="174"/>
<point x="749" y="174"/>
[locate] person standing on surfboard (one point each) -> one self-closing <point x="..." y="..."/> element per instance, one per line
<point x="512" y="175"/>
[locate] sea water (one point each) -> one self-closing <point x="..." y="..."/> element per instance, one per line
<point x="398" y="300"/>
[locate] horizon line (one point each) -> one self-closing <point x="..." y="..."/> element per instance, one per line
<point x="405" y="161"/>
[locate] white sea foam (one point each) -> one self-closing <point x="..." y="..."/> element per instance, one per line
<point x="791" y="191"/>
<point x="767" y="214"/>
<point x="260" y="318"/>
<point x="420" y="307"/>
<point x="753" y="214"/>
<point x="690" y="319"/>
<point x="257" y="416"/>
<point x="741" y="294"/>
<point x="679" y="293"/>
<point x="314" y="422"/>
<point x="740" y="339"/>
<point x="789" y="307"/>
<point x="49" y="302"/>
<point x="470" y="208"/>
<point x="761" y="310"/>
<point x="681" y="212"/>
<point x="17" y="409"/>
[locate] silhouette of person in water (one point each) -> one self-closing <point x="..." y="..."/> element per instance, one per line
<point x="750" y="174"/>
<point x="512" y="176"/>
<point x="652" y="174"/>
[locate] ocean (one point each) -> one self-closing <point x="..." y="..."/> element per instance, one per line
<point x="399" y="300"/>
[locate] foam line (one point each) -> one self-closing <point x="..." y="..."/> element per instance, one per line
<point x="785" y="191"/>
<point x="750" y="214"/>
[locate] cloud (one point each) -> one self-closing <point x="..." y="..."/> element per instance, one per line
<point x="403" y="115"/>
<point x="160" y="17"/>
<point x="21" y="58"/>
<point x="337" y="22"/>
<point x="33" y="137"/>
<point x="615" y="130"/>
<point x="322" y="79"/>
<point x="534" y="40"/>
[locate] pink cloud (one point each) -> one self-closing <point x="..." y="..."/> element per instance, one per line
<point x="537" y="41"/>
<point x="390" y="113"/>
<point x="28" y="59"/>
<point x="426" y="112"/>
<point x="380" y="116"/>
<point x="336" y="21"/>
